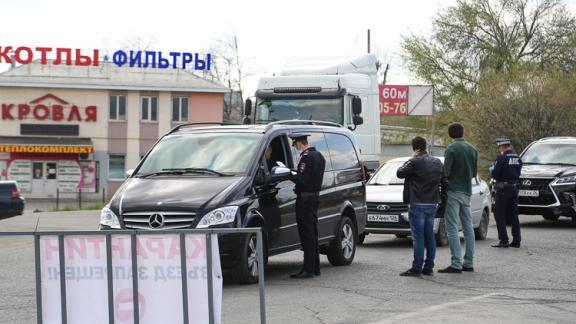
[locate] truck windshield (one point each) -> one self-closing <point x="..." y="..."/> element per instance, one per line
<point x="269" y="110"/>
<point x="550" y="153"/>
<point x="226" y="153"/>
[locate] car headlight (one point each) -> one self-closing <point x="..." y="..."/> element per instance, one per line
<point x="108" y="218"/>
<point x="219" y="216"/>
<point x="567" y="180"/>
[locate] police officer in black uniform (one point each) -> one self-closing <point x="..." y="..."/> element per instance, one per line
<point x="506" y="172"/>
<point x="308" y="179"/>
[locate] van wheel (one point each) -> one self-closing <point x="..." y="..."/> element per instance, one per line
<point x="481" y="232"/>
<point x="361" y="238"/>
<point x="343" y="247"/>
<point x="551" y="217"/>
<point x="441" y="236"/>
<point x="246" y="272"/>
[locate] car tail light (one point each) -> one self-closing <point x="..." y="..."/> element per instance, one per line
<point x="14" y="193"/>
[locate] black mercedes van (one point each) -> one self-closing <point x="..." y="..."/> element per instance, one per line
<point x="218" y="177"/>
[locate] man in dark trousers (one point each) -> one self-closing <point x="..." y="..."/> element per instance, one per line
<point x="506" y="172"/>
<point x="308" y="179"/>
<point x="424" y="185"/>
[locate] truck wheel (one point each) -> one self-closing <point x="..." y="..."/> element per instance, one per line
<point x="441" y="236"/>
<point x="361" y="238"/>
<point x="481" y="232"/>
<point x="246" y="272"/>
<point x="343" y="247"/>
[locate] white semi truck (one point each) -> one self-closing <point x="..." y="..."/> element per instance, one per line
<point x="342" y="91"/>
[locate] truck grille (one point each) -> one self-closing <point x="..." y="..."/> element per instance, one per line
<point x="171" y="219"/>
<point x="545" y="196"/>
<point x="393" y="208"/>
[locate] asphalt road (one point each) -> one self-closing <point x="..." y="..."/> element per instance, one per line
<point x="533" y="284"/>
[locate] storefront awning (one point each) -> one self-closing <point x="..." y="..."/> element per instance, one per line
<point x="66" y="145"/>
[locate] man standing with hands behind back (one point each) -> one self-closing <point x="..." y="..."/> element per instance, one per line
<point x="506" y="173"/>
<point x="308" y="179"/>
<point x="460" y="166"/>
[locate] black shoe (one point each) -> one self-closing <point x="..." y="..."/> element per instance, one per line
<point x="427" y="272"/>
<point x="449" y="269"/>
<point x="302" y="275"/>
<point x="297" y="273"/>
<point x="411" y="273"/>
<point x="468" y="269"/>
<point x="514" y="244"/>
<point x="317" y="272"/>
<point x="500" y="245"/>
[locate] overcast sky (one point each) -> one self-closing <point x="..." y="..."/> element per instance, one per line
<point x="269" y="31"/>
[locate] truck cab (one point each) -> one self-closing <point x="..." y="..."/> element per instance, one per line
<point x="341" y="91"/>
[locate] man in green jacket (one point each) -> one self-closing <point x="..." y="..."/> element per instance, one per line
<point x="460" y="166"/>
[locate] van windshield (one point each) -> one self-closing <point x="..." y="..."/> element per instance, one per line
<point x="269" y="110"/>
<point x="227" y="153"/>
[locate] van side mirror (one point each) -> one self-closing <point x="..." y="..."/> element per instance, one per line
<point x="280" y="174"/>
<point x="357" y="120"/>
<point x="129" y="173"/>
<point x="356" y="106"/>
<point x="248" y="107"/>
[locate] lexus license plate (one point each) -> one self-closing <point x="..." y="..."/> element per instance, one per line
<point x="383" y="218"/>
<point x="528" y="193"/>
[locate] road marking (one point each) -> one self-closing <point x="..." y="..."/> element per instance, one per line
<point x="403" y="316"/>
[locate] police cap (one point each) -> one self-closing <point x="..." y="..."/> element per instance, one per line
<point x="503" y="141"/>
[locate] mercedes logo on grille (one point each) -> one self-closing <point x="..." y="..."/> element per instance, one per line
<point x="383" y="207"/>
<point x="527" y="182"/>
<point x="156" y="220"/>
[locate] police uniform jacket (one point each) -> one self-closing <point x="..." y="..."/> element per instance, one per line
<point x="310" y="171"/>
<point x="507" y="167"/>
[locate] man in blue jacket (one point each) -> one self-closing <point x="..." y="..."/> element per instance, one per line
<point x="506" y="173"/>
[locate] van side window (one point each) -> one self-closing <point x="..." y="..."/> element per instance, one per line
<point x="317" y="141"/>
<point x="342" y="152"/>
<point x="278" y="153"/>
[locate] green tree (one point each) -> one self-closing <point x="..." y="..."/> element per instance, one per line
<point x="474" y="38"/>
<point x="526" y="104"/>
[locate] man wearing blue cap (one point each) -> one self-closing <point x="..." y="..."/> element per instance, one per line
<point x="308" y="179"/>
<point x="506" y="172"/>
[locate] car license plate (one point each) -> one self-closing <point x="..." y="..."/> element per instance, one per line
<point x="383" y="218"/>
<point x="528" y="193"/>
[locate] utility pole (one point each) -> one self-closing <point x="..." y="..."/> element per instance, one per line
<point x="368" y="41"/>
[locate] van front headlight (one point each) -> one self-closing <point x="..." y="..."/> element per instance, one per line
<point x="219" y="216"/>
<point x="108" y="218"/>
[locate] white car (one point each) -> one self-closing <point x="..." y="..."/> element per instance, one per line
<point x="387" y="214"/>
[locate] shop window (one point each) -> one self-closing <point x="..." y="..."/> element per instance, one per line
<point x="38" y="172"/>
<point x="180" y="109"/>
<point x="116" y="167"/>
<point x="149" y="108"/>
<point x="117" y="109"/>
<point x="51" y="170"/>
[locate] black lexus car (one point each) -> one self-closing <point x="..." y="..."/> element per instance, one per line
<point x="548" y="179"/>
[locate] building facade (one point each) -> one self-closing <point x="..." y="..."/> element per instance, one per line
<point x="65" y="129"/>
